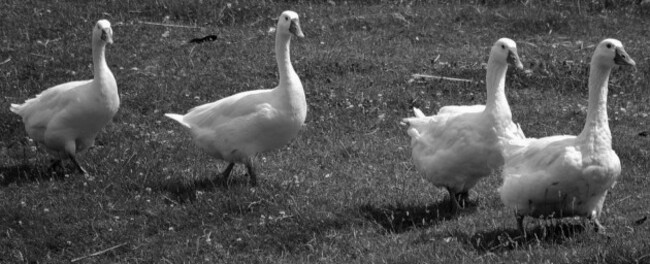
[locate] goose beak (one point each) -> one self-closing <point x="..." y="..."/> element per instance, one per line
<point x="294" y="28"/>
<point x="513" y="59"/>
<point x="107" y="36"/>
<point x="622" y="58"/>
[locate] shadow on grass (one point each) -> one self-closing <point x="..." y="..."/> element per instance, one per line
<point x="33" y="235"/>
<point x="511" y="239"/>
<point x="182" y="190"/>
<point x="621" y="253"/>
<point x="402" y="218"/>
<point x="25" y="173"/>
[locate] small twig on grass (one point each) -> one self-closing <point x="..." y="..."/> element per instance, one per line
<point x="623" y="199"/>
<point x="529" y="43"/>
<point x="638" y="260"/>
<point x="5" y="61"/>
<point x="39" y="55"/>
<point x="441" y="78"/>
<point x="168" y="25"/>
<point x="99" y="252"/>
<point x="170" y="200"/>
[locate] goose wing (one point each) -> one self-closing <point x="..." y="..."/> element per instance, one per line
<point x="40" y="110"/>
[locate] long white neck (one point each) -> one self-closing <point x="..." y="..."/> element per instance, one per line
<point x="282" y="55"/>
<point x="100" y="68"/>
<point x="596" y="130"/>
<point x="497" y="103"/>
<point x="290" y="88"/>
<point x="103" y="77"/>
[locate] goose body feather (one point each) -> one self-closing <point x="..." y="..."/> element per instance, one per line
<point x="457" y="149"/>
<point x="554" y="177"/>
<point x="244" y="124"/>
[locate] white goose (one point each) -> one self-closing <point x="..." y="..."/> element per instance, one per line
<point x="237" y="127"/>
<point x="564" y="176"/>
<point x="66" y="118"/>
<point x="460" y="145"/>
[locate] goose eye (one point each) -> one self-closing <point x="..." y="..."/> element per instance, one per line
<point x="503" y="46"/>
<point x="286" y="18"/>
<point x="609" y="46"/>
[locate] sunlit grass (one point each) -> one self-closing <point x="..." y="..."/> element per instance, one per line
<point x="344" y="191"/>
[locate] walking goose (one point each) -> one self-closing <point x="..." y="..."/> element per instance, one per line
<point x="460" y="145"/>
<point x="66" y="118"/>
<point x="237" y="127"/>
<point x="565" y="176"/>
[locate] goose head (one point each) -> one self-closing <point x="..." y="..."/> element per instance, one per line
<point x="288" y="24"/>
<point x="103" y="32"/>
<point x="610" y="52"/>
<point x="505" y="51"/>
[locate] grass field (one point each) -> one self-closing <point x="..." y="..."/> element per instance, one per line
<point x="345" y="190"/>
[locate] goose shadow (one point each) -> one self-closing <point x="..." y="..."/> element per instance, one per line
<point x="501" y="240"/>
<point x="400" y="218"/>
<point x="25" y="173"/>
<point x="182" y="190"/>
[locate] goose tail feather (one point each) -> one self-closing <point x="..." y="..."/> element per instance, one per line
<point x="418" y="113"/>
<point x="15" y="108"/>
<point x="413" y="133"/>
<point x="178" y="118"/>
<point x="418" y="123"/>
